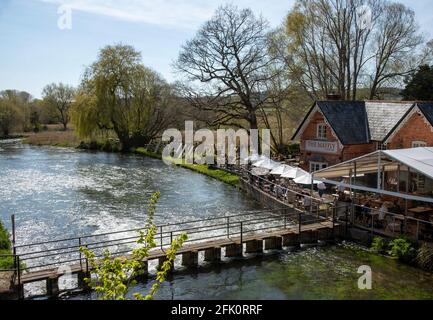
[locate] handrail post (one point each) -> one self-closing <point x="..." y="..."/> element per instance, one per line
<point x="300" y="222"/>
<point x="87" y="262"/>
<point x="228" y="227"/>
<point x="160" y="230"/>
<point x="171" y="237"/>
<point x="242" y="232"/>
<point x="79" y="250"/>
<point x="14" y="249"/>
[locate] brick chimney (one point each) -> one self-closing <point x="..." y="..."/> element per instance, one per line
<point x="333" y="97"/>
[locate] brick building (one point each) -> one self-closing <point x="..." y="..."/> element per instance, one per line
<point x="337" y="131"/>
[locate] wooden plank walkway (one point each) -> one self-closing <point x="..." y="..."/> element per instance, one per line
<point x="41" y="275"/>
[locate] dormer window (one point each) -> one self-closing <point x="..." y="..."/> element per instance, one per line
<point x="322" y="131"/>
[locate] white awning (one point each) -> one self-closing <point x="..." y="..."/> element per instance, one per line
<point x="419" y="159"/>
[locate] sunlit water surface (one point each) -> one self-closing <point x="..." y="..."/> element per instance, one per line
<point x="57" y="193"/>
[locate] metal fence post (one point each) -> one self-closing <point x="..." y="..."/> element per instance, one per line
<point x="228" y="227"/>
<point x="300" y="222"/>
<point x="14" y="249"/>
<point x="160" y="230"/>
<point x="79" y="250"/>
<point x="242" y="232"/>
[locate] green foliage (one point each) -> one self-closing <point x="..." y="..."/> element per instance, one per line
<point x="5" y="248"/>
<point x="420" y="85"/>
<point x="5" y="243"/>
<point x="11" y="113"/>
<point x="119" y="94"/>
<point x="379" y="245"/>
<point x="425" y="256"/>
<point x="114" y="276"/>
<point x="59" y="97"/>
<point x="403" y="249"/>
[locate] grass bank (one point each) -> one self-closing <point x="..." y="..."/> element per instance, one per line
<point x="221" y="175"/>
<point x="65" y="139"/>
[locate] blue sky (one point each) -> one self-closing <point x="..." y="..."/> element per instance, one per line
<point x="35" y="52"/>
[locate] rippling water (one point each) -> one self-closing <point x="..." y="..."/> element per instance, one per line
<point x="319" y="273"/>
<point x="57" y="193"/>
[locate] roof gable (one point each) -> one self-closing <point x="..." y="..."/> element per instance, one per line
<point x="427" y="109"/>
<point x="383" y="117"/>
<point x="348" y="119"/>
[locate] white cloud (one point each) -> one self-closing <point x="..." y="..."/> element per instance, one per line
<point x="172" y="13"/>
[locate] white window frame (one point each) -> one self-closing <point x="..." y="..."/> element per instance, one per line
<point x="322" y="131"/>
<point x="419" y="144"/>
<point x="316" y="166"/>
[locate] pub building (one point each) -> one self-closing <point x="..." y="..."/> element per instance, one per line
<point x="336" y="131"/>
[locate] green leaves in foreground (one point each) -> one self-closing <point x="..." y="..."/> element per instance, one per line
<point x="113" y="276"/>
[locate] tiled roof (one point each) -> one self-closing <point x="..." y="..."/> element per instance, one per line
<point x="348" y="119"/>
<point x="360" y="122"/>
<point x="427" y="109"/>
<point x="384" y="116"/>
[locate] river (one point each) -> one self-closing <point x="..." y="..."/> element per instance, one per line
<point x="57" y="193"/>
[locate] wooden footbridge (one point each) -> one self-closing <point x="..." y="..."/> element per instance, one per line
<point x="223" y="237"/>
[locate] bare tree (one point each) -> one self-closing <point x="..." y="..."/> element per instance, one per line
<point x="226" y="66"/>
<point x="340" y="46"/>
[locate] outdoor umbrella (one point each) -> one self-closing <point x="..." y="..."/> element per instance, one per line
<point x="282" y="169"/>
<point x="305" y="179"/>
<point x="294" y="173"/>
<point x="266" y="164"/>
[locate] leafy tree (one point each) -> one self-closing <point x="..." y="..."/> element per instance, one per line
<point x="114" y="276"/>
<point x="420" y="85"/>
<point x="120" y="94"/>
<point x="11" y="112"/>
<point x="60" y="97"/>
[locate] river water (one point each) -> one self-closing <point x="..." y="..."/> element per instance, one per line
<point x="57" y="193"/>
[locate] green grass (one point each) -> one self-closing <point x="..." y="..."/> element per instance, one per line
<point x="221" y="175"/>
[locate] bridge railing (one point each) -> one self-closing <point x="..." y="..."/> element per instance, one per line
<point x="60" y="252"/>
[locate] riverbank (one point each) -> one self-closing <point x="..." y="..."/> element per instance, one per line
<point x="220" y="175"/>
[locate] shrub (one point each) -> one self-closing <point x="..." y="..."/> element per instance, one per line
<point x="403" y="249"/>
<point x="5" y="243"/>
<point x="5" y="248"/>
<point x="379" y="245"/>
<point x="425" y="257"/>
